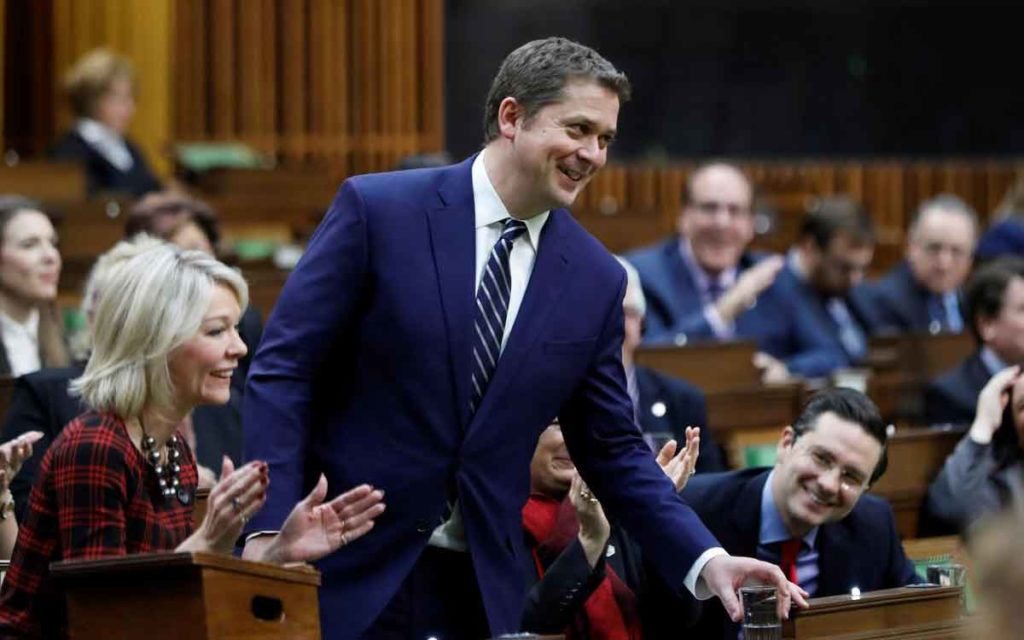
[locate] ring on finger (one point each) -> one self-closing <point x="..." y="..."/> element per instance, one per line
<point x="344" y="539"/>
<point x="237" y="505"/>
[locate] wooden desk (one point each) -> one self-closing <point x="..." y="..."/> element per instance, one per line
<point x="712" y="366"/>
<point x="916" y="456"/>
<point x="931" y="613"/>
<point x="47" y="182"/>
<point x="157" y="596"/>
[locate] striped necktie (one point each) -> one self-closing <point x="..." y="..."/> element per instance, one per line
<point x="492" y="298"/>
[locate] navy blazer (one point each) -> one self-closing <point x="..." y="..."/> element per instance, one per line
<point x="100" y="175"/>
<point x="862" y="550"/>
<point x="363" y="374"/>
<point x="669" y="405"/>
<point x="952" y="398"/>
<point x="901" y="303"/>
<point x="674" y="308"/>
<point x="40" y="401"/>
<point x="814" y="307"/>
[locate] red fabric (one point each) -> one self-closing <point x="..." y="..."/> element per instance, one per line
<point x="611" y="610"/>
<point x="790" y="550"/>
<point x="94" y="496"/>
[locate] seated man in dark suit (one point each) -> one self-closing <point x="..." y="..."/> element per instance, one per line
<point x="922" y="293"/>
<point x="662" y="405"/>
<point x="994" y="298"/>
<point x="826" y="267"/>
<point x="809" y="513"/>
<point x="705" y="285"/>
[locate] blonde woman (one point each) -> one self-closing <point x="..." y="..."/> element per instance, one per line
<point x="120" y="479"/>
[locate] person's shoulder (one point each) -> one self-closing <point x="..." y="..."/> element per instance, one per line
<point x="89" y="434"/>
<point x="51" y="376"/>
<point x="400" y="183"/>
<point x="652" y="255"/>
<point x="956" y="377"/>
<point x="872" y="515"/>
<point x="69" y="146"/>
<point x="718" y="487"/>
<point x="895" y="281"/>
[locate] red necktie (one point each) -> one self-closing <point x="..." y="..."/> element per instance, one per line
<point x="790" y="550"/>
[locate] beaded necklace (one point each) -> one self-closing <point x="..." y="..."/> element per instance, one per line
<point x="167" y="473"/>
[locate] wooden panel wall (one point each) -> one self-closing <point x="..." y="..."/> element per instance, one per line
<point x="629" y="204"/>
<point x="353" y="85"/>
<point x="138" y="29"/>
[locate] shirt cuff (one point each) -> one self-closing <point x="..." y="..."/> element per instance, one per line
<point x="694" y="582"/>
<point x="722" y="329"/>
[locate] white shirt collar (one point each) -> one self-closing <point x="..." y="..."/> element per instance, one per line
<point x="106" y="141"/>
<point x="21" y="342"/>
<point x="490" y="209"/>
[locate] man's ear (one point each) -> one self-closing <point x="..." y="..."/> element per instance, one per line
<point x="985" y="328"/>
<point x="510" y="114"/>
<point x="786" y="443"/>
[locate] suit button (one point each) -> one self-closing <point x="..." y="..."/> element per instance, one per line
<point x="422" y="526"/>
<point x="680" y="340"/>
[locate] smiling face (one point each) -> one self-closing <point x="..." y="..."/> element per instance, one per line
<point x="717" y="218"/>
<point x="29" y="260"/>
<point x="116" y="107"/>
<point x="820" y="476"/>
<point x="551" y="469"/>
<point x="201" y="368"/>
<point x="556" y="152"/>
<point x="841" y="266"/>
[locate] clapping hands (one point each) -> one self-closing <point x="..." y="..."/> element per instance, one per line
<point x="13" y="454"/>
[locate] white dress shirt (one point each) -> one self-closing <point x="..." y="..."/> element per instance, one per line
<point x="21" y="342"/>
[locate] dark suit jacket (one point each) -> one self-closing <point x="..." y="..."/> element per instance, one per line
<point x="861" y="550"/>
<point x="952" y="398"/>
<point x="674" y="308"/>
<point x="683" y="406"/>
<point x="900" y="302"/>
<point x="100" y="175"/>
<point x="40" y="401"/>
<point x="364" y="374"/>
<point x="813" y="305"/>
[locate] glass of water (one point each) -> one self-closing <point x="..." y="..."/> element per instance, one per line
<point x="760" y="618"/>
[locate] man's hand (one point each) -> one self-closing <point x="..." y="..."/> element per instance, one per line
<point x="751" y="283"/>
<point x="773" y="370"/>
<point x="679" y="466"/>
<point x="991" y="402"/>
<point x="724" y="575"/>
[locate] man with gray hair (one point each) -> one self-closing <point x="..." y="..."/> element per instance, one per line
<point x="663" y="406"/>
<point x="922" y="293"/>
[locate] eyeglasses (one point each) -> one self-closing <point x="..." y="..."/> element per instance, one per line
<point x="850" y="480"/>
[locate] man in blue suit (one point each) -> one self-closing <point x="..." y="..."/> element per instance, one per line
<point x="705" y="285"/>
<point x="994" y="298"/>
<point x="809" y="513"/>
<point x="438" y="321"/>
<point x="826" y="268"/>
<point x="922" y="293"/>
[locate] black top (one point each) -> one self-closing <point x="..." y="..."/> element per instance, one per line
<point x="100" y="175"/>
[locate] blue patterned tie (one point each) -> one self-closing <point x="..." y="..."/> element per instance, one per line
<point x="492" y="298"/>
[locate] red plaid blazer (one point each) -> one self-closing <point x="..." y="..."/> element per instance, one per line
<point x="95" y="495"/>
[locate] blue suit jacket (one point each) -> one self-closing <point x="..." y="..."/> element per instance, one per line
<point x="364" y="374"/>
<point x="674" y="307"/>
<point x="861" y="550"/>
<point x="952" y="398"/>
<point x="813" y="307"/>
<point x="901" y="302"/>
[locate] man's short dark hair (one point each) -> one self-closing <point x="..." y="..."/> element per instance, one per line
<point x="535" y="74"/>
<point x="828" y="217"/>
<point x="686" y="197"/>
<point x="983" y="294"/>
<point x="852" y="406"/>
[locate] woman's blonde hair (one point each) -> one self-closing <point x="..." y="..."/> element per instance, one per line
<point x="92" y="76"/>
<point x="95" y="284"/>
<point x="152" y="303"/>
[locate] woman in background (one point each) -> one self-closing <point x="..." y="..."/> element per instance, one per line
<point x="30" y="328"/>
<point x="101" y="91"/>
<point x="120" y="479"/>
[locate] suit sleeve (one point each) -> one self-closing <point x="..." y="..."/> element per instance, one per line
<point x="27" y="412"/>
<point x="597" y="422"/>
<point x="553" y="601"/>
<point x="963" y="489"/>
<point x="901" y="569"/>
<point x="316" y="310"/>
<point x="816" y="354"/>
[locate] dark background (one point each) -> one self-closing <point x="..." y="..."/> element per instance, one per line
<point x="769" y="78"/>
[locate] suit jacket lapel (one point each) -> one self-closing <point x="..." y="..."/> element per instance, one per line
<point x="453" y="243"/>
<point x="746" y="516"/>
<point x="833" y="576"/>
<point x="546" y="282"/>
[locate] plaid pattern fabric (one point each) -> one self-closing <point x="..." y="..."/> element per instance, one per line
<point x="94" y="496"/>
